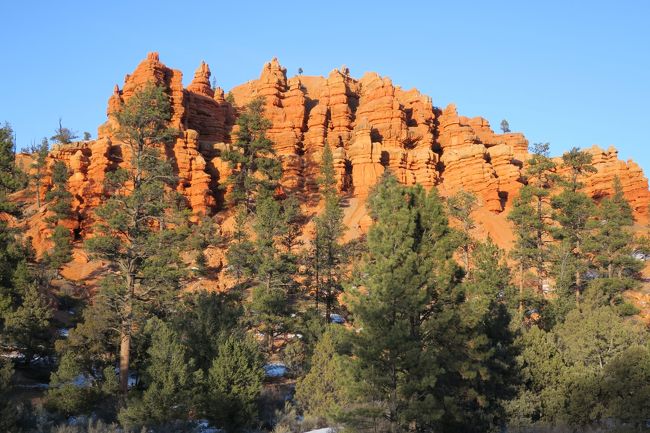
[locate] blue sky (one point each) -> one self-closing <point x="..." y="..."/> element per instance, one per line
<point x="573" y="73"/>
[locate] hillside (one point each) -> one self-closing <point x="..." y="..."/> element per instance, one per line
<point x="370" y="123"/>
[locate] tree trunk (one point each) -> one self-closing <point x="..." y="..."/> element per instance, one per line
<point x="521" y="289"/>
<point x="125" y="352"/>
<point x="125" y="335"/>
<point x="466" y="259"/>
<point x="317" y="260"/>
<point x="578" y="280"/>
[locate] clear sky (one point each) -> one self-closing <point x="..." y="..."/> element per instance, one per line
<point x="573" y="73"/>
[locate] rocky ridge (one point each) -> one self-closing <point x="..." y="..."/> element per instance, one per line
<point x="370" y="124"/>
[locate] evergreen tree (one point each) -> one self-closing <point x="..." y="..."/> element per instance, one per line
<point x="133" y="234"/>
<point x="28" y="326"/>
<point x="461" y="205"/>
<point x="611" y="241"/>
<point x="9" y="173"/>
<point x="272" y="267"/>
<point x="241" y="248"/>
<point x="72" y="391"/>
<point x="323" y="391"/>
<point x="626" y="386"/>
<point x="60" y="203"/>
<point x="252" y="157"/>
<point x="408" y="271"/>
<point x="531" y="217"/>
<point x="38" y="165"/>
<point x="63" y="135"/>
<point x="168" y="379"/>
<point x="505" y="127"/>
<point x="15" y="416"/>
<point x="234" y="383"/>
<point x="7" y="409"/>
<point x="327" y="251"/>
<point x="488" y="355"/>
<point x="204" y="320"/>
<point x="59" y="197"/>
<point x="573" y="211"/>
<point x="579" y="164"/>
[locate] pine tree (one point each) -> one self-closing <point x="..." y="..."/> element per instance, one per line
<point x="461" y="205"/>
<point x="252" y="157"/>
<point x="133" y="234"/>
<point x="38" y="165"/>
<point x="272" y="267"/>
<point x="573" y="211"/>
<point x="327" y="252"/>
<point x="579" y="164"/>
<point x="626" y="386"/>
<point x="63" y="135"/>
<point x="169" y="380"/>
<point x="203" y="321"/>
<point x="28" y="326"/>
<point x="234" y="383"/>
<point x="241" y="249"/>
<point x="59" y="198"/>
<point x="611" y="240"/>
<point x="323" y="391"/>
<point x="9" y="173"/>
<point x="505" y="127"/>
<point x="490" y="361"/>
<point x="531" y="216"/>
<point x="60" y="203"/>
<point x="408" y="272"/>
<point x="7" y="419"/>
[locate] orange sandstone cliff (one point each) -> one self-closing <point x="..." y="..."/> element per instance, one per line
<point x="371" y="125"/>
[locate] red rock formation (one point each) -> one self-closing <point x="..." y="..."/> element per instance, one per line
<point x="370" y="125"/>
<point x="633" y="182"/>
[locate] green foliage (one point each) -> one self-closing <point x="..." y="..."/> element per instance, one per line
<point x="573" y="211"/>
<point x="169" y="381"/>
<point x="566" y="373"/>
<point x="28" y="326"/>
<point x="71" y="391"/>
<point x="241" y="249"/>
<point x="143" y="224"/>
<point x="531" y="216"/>
<point x="59" y="198"/>
<point x="39" y="160"/>
<point x="328" y="257"/>
<point x="234" y="383"/>
<point x="579" y="164"/>
<point x="409" y="274"/>
<point x="252" y="157"/>
<point x="63" y="135"/>
<point x="611" y="242"/>
<point x="61" y="253"/>
<point x="203" y="321"/>
<point x="324" y="391"/>
<point x="11" y="177"/>
<point x="9" y="418"/>
<point x="593" y="337"/>
<point x="626" y="386"/>
<point x="460" y="207"/>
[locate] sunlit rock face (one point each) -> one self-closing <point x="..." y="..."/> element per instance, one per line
<point x="370" y="124"/>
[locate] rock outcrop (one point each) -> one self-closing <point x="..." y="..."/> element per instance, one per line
<point x="370" y="124"/>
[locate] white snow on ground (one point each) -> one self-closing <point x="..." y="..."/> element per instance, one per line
<point x="276" y="369"/>
<point x="322" y="430"/>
